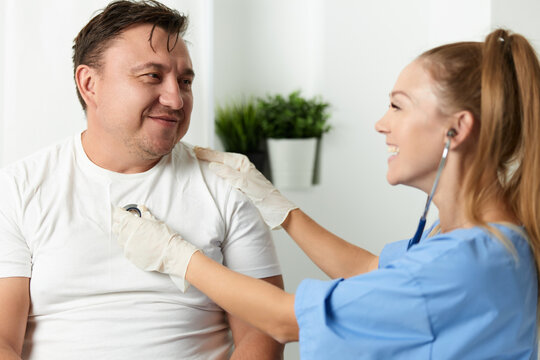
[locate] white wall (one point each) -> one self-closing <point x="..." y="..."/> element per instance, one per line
<point x="520" y="16"/>
<point x="40" y="105"/>
<point x="265" y="46"/>
<point x="2" y="69"/>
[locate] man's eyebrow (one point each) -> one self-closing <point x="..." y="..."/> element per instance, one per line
<point x="188" y="72"/>
<point x="156" y="66"/>
<point x="147" y="66"/>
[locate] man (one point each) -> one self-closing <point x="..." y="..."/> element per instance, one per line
<point x="66" y="289"/>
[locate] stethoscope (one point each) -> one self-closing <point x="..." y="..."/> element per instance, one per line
<point x="422" y="223"/>
<point x="134" y="209"/>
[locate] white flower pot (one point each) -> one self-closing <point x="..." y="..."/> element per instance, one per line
<point x="292" y="162"/>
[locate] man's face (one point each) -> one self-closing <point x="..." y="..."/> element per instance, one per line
<point x="143" y="97"/>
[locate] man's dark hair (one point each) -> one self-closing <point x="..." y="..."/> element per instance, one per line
<point x="93" y="39"/>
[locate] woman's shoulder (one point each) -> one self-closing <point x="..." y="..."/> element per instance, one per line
<point x="504" y="239"/>
<point x="478" y="256"/>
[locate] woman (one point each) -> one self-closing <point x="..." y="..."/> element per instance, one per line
<point x="468" y="289"/>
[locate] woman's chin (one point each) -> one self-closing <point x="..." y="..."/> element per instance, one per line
<point x="392" y="180"/>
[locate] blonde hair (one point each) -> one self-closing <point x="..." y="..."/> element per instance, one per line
<point x="498" y="81"/>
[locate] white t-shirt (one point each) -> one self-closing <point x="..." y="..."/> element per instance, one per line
<point x="88" y="300"/>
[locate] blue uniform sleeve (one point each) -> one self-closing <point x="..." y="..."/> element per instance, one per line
<point x="379" y="315"/>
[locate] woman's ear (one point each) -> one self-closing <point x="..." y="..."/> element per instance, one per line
<point x="462" y="125"/>
<point x="85" y="77"/>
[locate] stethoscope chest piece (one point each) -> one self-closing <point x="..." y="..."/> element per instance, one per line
<point x="132" y="208"/>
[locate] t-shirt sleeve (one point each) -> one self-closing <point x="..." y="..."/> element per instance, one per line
<point x="248" y="246"/>
<point x="378" y="315"/>
<point x="15" y="257"/>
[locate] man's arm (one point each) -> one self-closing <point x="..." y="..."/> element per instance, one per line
<point x="251" y="343"/>
<point x="14" y="307"/>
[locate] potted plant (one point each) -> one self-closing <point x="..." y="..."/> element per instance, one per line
<point x="240" y="130"/>
<point x="293" y="127"/>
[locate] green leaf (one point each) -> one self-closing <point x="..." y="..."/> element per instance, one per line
<point x="238" y="127"/>
<point x="293" y="117"/>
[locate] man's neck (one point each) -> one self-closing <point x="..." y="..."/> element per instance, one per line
<point x="109" y="157"/>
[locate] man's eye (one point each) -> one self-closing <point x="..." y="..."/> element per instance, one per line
<point x="186" y="83"/>
<point x="153" y="76"/>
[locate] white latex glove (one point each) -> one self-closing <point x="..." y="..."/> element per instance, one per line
<point x="242" y="174"/>
<point x="151" y="245"/>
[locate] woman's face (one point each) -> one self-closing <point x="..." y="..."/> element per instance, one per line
<point x="415" y="129"/>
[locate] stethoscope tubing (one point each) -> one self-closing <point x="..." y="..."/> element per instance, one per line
<point x="422" y="223"/>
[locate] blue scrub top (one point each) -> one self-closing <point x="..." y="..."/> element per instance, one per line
<point x="458" y="295"/>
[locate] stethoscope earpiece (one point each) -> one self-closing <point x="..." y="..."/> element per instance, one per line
<point x="451" y="133"/>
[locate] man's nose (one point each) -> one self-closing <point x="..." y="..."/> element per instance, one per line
<point x="171" y="95"/>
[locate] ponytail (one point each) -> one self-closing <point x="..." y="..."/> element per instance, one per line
<point x="523" y="188"/>
<point x="509" y="133"/>
<point x="498" y="81"/>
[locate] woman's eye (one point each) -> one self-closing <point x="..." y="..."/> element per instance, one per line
<point x="394" y="106"/>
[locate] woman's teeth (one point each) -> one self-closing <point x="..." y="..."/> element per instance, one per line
<point x="393" y="150"/>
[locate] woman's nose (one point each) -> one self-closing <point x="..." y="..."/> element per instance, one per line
<point x="381" y="126"/>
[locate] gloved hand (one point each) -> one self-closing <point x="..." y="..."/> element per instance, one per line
<point x="242" y="174"/>
<point x="151" y="245"/>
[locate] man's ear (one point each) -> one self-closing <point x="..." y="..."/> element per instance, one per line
<point x="463" y="124"/>
<point x="85" y="77"/>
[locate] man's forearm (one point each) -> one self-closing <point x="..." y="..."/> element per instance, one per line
<point x="263" y="305"/>
<point x="251" y="343"/>
<point x="8" y="353"/>
<point x="256" y="345"/>
<point x="14" y="307"/>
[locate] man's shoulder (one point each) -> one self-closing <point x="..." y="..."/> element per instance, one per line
<point x="186" y="162"/>
<point x="200" y="174"/>
<point x="42" y="159"/>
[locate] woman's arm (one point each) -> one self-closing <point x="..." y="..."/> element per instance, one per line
<point x="255" y="301"/>
<point x="333" y="255"/>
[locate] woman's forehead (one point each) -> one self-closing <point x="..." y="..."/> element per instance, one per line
<point x="415" y="82"/>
